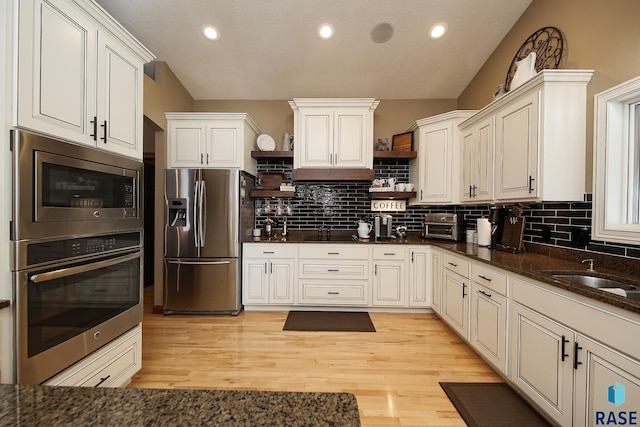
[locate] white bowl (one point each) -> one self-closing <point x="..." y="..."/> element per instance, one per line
<point x="400" y="187"/>
<point x="408" y="187"/>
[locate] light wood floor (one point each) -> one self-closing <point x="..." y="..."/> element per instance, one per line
<point x="393" y="373"/>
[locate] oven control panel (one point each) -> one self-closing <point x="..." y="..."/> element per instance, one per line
<point x="40" y="252"/>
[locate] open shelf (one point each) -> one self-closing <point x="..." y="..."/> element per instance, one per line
<point x="394" y="155"/>
<point x="256" y="192"/>
<point x="392" y="194"/>
<point x="278" y="155"/>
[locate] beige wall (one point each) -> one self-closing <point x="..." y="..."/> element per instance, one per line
<point x="602" y="36"/>
<point x="276" y="117"/>
<point x="163" y="94"/>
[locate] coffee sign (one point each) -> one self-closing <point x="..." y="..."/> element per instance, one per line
<point x="388" y="205"/>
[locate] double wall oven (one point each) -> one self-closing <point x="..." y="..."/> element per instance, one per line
<point x="77" y="252"/>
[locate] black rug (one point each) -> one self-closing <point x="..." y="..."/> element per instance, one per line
<point x="492" y="404"/>
<point x="338" y="321"/>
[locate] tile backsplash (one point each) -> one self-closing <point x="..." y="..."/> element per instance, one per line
<point x="339" y="205"/>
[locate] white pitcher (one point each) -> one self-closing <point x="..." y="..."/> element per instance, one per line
<point x="364" y="228"/>
<point x="525" y="69"/>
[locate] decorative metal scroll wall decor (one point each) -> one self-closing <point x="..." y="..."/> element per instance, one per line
<point x="547" y="43"/>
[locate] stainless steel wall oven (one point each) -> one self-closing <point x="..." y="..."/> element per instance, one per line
<point x="77" y="245"/>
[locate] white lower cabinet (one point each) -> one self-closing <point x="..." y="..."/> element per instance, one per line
<point x="435" y="260"/>
<point x="333" y="275"/>
<point x="268" y="274"/>
<point x="542" y="362"/>
<point x="389" y="276"/>
<point x="420" y="283"/>
<point x="455" y="294"/>
<point x="607" y="386"/>
<point x="573" y="356"/>
<point x="111" y="366"/>
<point x="488" y="322"/>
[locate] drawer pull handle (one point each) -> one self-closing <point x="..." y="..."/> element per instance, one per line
<point x="333" y="293"/>
<point x="102" y="380"/>
<point x="268" y="252"/>
<point x="450" y="263"/>
<point x="389" y="253"/>
<point x="332" y="269"/>
<point x="333" y="253"/>
<point x="485" y="294"/>
<point x="488" y="279"/>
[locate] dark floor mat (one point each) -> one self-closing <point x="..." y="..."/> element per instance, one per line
<point x="329" y="321"/>
<point x="492" y="404"/>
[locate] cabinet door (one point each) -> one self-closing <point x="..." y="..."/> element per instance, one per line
<point x="436" y="281"/>
<point x="255" y="281"/>
<point x="517" y="149"/>
<point x="119" y="99"/>
<point x="489" y="325"/>
<point x="483" y="151"/>
<point x="419" y="277"/>
<point x="468" y="167"/>
<point x="542" y="362"/>
<point x="186" y="143"/>
<point x="316" y="147"/>
<point x="349" y="146"/>
<point x="222" y="146"/>
<point x="455" y="302"/>
<point x="281" y="281"/>
<point x="56" y="70"/>
<point x="388" y="283"/>
<point x="436" y="155"/>
<point x="607" y="387"/>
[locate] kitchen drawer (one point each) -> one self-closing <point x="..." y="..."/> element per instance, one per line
<point x="320" y="292"/>
<point x="111" y="366"/>
<point x="389" y="252"/>
<point x="265" y="250"/>
<point x="456" y="264"/>
<point x="333" y="251"/>
<point x="489" y="278"/>
<point x="342" y="269"/>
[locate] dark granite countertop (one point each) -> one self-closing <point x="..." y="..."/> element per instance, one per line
<point x="539" y="262"/>
<point x="4" y="303"/>
<point x="30" y="405"/>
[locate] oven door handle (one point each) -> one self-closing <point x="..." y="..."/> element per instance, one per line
<point x="66" y="272"/>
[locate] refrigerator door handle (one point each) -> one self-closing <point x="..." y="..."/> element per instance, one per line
<point x="180" y="262"/>
<point x="195" y="213"/>
<point x="202" y="201"/>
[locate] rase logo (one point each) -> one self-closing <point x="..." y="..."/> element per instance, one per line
<point x="616" y="396"/>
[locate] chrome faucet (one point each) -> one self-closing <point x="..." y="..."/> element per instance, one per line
<point x="590" y="261"/>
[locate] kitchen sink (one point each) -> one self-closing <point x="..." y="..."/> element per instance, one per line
<point x="606" y="284"/>
<point x="595" y="281"/>
<point x="333" y="239"/>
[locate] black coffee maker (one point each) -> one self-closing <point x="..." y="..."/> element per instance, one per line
<point x="496" y="219"/>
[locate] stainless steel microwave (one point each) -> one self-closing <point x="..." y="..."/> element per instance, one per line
<point x="63" y="189"/>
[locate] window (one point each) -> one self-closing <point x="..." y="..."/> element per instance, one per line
<point x="616" y="189"/>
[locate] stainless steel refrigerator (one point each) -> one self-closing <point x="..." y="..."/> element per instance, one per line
<point x="208" y="212"/>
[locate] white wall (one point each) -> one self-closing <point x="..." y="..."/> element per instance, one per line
<point x="6" y="95"/>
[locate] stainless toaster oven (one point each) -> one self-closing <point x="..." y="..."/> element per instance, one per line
<point x="447" y="226"/>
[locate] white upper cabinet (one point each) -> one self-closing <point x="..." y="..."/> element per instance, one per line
<point x="436" y="171"/>
<point x="477" y="160"/>
<point x="80" y="75"/>
<point x="540" y="138"/>
<point x="211" y="140"/>
<point x="333" y="132"/>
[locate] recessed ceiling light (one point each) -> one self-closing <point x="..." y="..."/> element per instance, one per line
<point x="382" y="32"/>
<point x="438" y="30"/>
<point x="211" y="32"/>
<point x="326" y="31"/>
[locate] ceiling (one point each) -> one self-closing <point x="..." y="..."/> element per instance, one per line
<point x="269" y="49"/>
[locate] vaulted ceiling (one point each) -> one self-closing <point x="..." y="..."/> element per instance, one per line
<point x="270" y="49"/>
